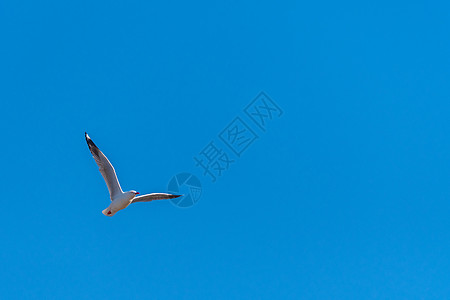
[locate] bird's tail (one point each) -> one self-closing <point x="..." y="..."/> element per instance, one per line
<point x="107" y="212"/>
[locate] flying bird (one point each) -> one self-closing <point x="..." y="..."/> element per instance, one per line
<point x="119" y="199"/>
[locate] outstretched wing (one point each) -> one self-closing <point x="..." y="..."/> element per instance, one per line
<point x="154" y="196"/>
<point x="105" y="168"/>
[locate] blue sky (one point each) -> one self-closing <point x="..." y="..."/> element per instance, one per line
<point x="344" y="196"/>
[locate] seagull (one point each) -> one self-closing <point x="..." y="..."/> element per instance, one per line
<point x="119" y="199"/>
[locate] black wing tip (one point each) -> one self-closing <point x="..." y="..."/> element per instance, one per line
<point x="175" y="196"/>
<point x="91" y="144"/>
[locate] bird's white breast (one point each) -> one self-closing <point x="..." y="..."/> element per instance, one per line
<point x="121" y="201"/>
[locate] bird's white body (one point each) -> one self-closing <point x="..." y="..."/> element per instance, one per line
<point x="119" y="202"/>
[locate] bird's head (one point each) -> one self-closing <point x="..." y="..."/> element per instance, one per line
<point x="134" y="192"/>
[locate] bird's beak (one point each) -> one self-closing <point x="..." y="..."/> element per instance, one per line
<point x="137" y="193"/>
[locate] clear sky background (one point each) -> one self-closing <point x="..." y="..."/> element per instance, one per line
<point x="345" y="196"/>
